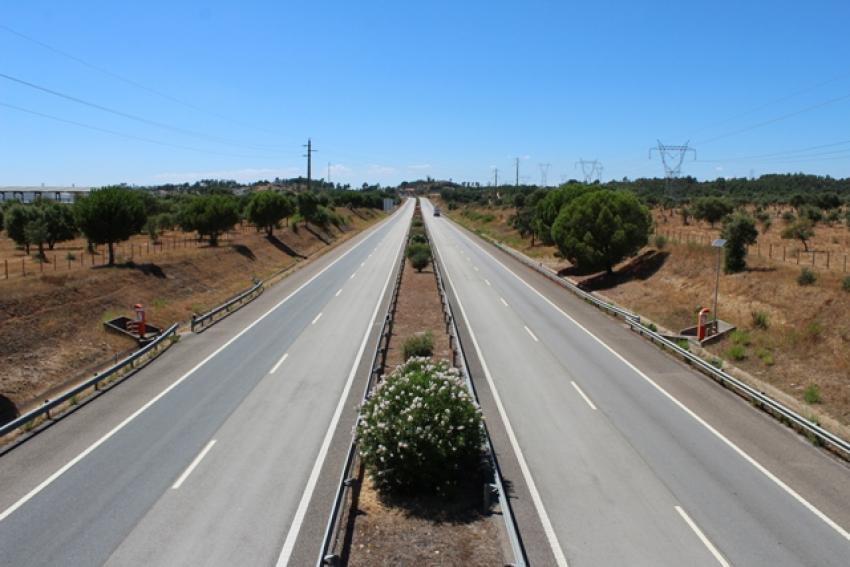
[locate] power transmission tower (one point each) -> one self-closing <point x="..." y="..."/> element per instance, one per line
<point x="516" y="160"/>
<point x="544" y="172"/>
<point x="672" y="158"/>
<point x="591" y="169"/>
<point x="309" y="156"/>
<point x="496" y="177"/>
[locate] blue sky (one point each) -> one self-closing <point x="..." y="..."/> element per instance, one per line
<point x="400" y="90"/>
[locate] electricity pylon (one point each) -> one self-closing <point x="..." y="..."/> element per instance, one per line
<point x="544" y="172"/>
<point x="672" y="158"/>
<point x="591" y="169"/>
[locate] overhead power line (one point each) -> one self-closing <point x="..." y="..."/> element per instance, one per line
<point x="786" y="153"/>
<point x="125" y="135"/>
<point x="776" y="119"/>
<point x="129" y="116"/>
<point x="129" y="81"/>
<point x="772" y="102"/>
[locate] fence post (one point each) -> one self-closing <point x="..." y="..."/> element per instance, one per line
<point x="827" y="259"/>
<point x="23" y="267"/>
<point x="6" y="266"/>
<point x="813" y="257"/>
<point x="845" y="263"/>
<point x="54" y="261"/>
<point x="783" y="253"/>
<point x="770" y="251"/>
<point x="798" y="257"/>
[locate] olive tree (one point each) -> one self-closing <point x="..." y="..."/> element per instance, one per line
<point x="739" y="231"/>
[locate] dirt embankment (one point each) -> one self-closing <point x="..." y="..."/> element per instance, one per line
<point x="51" y="329"/>
<point x="806" y="342"/>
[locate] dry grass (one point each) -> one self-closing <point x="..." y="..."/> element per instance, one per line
<point x="52" y="323"/>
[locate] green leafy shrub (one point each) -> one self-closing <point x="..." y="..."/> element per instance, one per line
<point x="736" y="352"/>
<point x="765" y="356"/>
<point x="761" y="320"/>
<point x="420" y="431"/>
<point x="652" y="327"/>
<point x="812" y="394"/>
<point x="420" y="344"/>
<point x="845" y="283"/>
<point x="418" y="238"/>
<point x="807" y="277"/>
<point x="419" y="260"/>
<point x="739" y="337"/>
<point x="660" y="241"/>
<point x="716" y="362"/>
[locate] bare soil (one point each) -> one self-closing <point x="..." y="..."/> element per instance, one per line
<point x="387" y="531"/>
<point x="807" y="341"/>
<point x="51" y="330"/>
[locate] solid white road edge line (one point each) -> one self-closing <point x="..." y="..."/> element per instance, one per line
<point x="307" y="494"/>
<point x="192" y="465"/>
<point x="560" y="558"/>
<point x="319" y="316"/>
<point x="701" y="536"/>
<point x="761" y="468"/>
<point x="279" y="362"/>
<point x="582" y="394"/>
<point x="527" y="330"/>
<point x="46" y="482"/>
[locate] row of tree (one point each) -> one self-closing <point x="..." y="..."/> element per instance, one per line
<point x="113" y="214"/>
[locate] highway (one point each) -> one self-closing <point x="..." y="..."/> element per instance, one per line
<point x="211" y="454"/>
<point x="629" y="457"/>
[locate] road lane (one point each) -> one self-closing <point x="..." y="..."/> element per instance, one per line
<point x="87" y="512"/>
<point x="611" y="480"/>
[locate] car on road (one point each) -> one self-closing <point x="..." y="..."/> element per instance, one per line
<point x="436" y="211"/>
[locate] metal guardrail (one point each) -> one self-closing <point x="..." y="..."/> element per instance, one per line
<point x="48" y="405"/>
<point x="327" y="555"/>
<point x="456" y="346"/>
<point x="808" y="427"/>
<point x="199" y="321"/>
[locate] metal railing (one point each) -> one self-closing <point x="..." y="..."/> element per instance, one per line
<point x="808" y="427"/>
<point x="456" y="345"/>
<point x="129" y="361"/>
<point x="200" y="321"/>
<point x="328" y="554"/>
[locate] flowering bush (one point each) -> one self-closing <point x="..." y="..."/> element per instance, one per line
<point x="421" y="431"/>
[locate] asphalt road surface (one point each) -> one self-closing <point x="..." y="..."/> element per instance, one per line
<point x="621" y="466"/>
<point x="209" y="456"/>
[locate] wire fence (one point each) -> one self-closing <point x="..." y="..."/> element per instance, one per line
<point x="825" y="259"/>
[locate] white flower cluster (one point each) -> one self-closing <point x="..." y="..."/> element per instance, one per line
<point x="420" y="426"/>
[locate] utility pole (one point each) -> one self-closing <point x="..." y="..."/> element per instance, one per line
<point x="516" y="161"/>
<point x="496" y="179"/>
<point x="309" y="156"/>
<point x="544" y="172"/>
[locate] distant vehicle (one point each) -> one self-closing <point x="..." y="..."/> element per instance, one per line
<point x="436" y="211"/>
